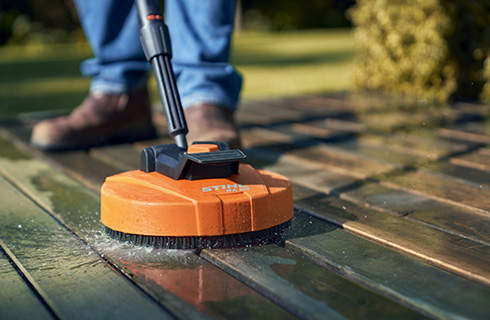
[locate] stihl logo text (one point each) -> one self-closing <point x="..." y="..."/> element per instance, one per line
<point x="227" y="188"/>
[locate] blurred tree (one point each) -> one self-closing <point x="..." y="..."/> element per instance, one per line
<point x="430" y="49"/>
<point x="9" y="11"/>
<point x="21" y="18"/>
<point x="294" y="14"/>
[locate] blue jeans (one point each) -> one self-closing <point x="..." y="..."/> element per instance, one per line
<point x="200" y="31"/>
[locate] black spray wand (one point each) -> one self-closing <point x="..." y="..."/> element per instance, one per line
<point x="155" y="41"/>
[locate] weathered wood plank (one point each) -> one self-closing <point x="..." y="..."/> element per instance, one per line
<point x="394" y="120"/>
<point x="119" y="152"/>
<point x="17" y="300"/>
<point x="72" y="275"/>
<point x="313" y="152"/>
<point x="342" y="161"/>
<point x="304" y="288"/>
<point x="478" y="178"/>
<point x="464" y="135"/>
<point x="424" y="144"/>
<point x="286" y="111"/>
<point x="478" y="128"/>
<point x="313" y="175"/>
<point x="323" y="127"/>
<point x="260" y="136"/>
<point x="199" y="283"/>
<point x="125" y="156"/>
<point x="80" y="165"/>
<point x="396" y="148"/>
<point x="454" y="253"/>
<point x="150" y="269"/>
<point x="319" y="103"/>
<point x="456" y="220"/>
<point x="26" y="275"/>
<point x="479" y="159"/>
<point x="442" y="188"/>
<point x="76" y="163"/>
<point x="384" y="270"/>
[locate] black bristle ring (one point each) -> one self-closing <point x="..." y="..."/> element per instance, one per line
<point x="270" y="235"/>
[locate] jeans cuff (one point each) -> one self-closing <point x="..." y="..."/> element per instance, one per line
<point x="98" y="85"/>
<point x="202" y="98"/>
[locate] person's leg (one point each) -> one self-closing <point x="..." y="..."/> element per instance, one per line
<point x="201" y="39"/>
<point x="118" y="106"/>
<point x="112" y="30"/>
<point x="209" y="86"/>
<point x="201" y="32"/>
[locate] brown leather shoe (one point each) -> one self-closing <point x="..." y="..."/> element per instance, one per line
<point x="101" y="118"/>
<point x="208" y="122"/>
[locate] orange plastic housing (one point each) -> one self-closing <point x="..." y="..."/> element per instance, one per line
<point x="152" y="204"/>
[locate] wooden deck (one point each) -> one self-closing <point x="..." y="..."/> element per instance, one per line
<point x="392" y="221"/>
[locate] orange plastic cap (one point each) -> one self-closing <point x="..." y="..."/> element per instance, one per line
<point x="152" y="204"/>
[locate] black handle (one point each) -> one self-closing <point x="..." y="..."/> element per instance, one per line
<point x="155" y="41"/>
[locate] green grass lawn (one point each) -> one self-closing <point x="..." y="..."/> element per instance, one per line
<point x="46" y="77"/>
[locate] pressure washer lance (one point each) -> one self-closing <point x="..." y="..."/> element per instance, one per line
<point x="155" y="40"/>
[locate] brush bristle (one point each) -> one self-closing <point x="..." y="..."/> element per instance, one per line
<point x="271" y="235"/>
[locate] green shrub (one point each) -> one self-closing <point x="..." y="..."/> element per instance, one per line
<point x="428" y="49"/>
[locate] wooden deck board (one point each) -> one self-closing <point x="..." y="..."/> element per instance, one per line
<point x="479" y="159"/>
<point x="460" y="221"/>
<point x="304" y="288"/>
<point x="469" y="175"/>
<point x="17" y="299"/>
<point x="71" y="274"/>
<point x="388" y="271"/>
<point x="442" y="188"/>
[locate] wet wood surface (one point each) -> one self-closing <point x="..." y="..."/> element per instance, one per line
<point x="17" y="300"/>
<point x="387" y="271"/>
<point x="69" y="275"/>
<point x="392" y="217"/>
